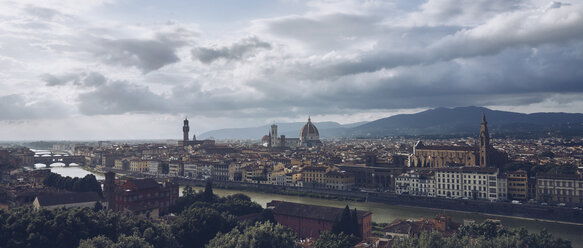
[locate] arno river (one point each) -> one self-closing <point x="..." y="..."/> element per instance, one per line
<point x="383" y="213"/>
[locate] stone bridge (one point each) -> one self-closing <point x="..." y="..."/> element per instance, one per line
<point x="65" y="159"/>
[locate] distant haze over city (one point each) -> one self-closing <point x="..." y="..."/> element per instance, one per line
<point x="107" y="69"/>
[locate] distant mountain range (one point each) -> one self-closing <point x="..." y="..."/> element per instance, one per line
<point x="465" y="121"/>
<point x="439" y="122"/>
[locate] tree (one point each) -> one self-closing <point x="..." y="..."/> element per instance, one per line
<point x="96" y="242"/>
<point x="267" y="215"/>
<point x="88" y="183"/>
<point x="425" y="240"/>
<point x="347" y="224"/>
<point x="25" y="227"/>
<point x="208" y="192"/>
<point x="123" y="242"/>
<point x="98" y="206"/>
<point x="188" y="191"/>
<point x="238" y="197"/>
<point x="196" y="226"/>
<point x="486" y="234"/>
<point x="336" y="228"/>
<point x="354" y="224"/>
<point x="331" y="240"/>
<point x="345" y="221"/>
<point x="131" y="242"/>
<point x="260" y="235"/>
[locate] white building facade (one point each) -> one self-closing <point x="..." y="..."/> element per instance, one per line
<point x="470" y="183"/>
<point x="419" y="183"/>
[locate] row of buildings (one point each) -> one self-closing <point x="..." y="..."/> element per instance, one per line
<point x="489" y="184"/>
<point x="464" y="182"/>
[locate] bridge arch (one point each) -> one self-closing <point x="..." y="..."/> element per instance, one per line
<point x="53" y="159"/>
<point x="40" y="165"/>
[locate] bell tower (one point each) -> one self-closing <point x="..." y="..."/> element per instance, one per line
<point x="484" y="143"/>
<point x="273" y="136"/>
<point x="185" y="129"/>
<point x="109" y="189"/>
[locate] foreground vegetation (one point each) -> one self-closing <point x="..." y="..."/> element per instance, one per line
<point x="202" y="219"/>
<point x="195" y="225"/>
<point x="86" y="184"/>
<point x="486" y="234"/>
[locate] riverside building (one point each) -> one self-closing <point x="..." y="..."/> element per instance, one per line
<point x="470" y="183"/>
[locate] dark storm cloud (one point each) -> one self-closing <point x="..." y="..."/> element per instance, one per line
<point x="236" y="51"/>
<point x="176" y="35"/>
<point x="515" y="77"/>
<point x="402" y="45"/>
<point x="88" y="79"/>
<point x="463" y="44"/>
<point x="326" y="31"/>
<point x="119" y="97"/>
<point x="146" y="55"/>
<point x="53" y="80"/>
<point x="16" y="107"/>
<point x="94" y="79"/>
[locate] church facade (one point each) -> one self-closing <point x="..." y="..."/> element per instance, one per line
<point x="445" y="156"/>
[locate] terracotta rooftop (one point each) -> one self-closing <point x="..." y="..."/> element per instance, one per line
<point x="317" y="168"/>
<point x="51" y="199"/>
<point x="310" y="211"/>
<point x="140" y="184"/>
<point x="446" y="148"/>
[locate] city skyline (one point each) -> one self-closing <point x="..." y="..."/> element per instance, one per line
<point x="134" y="69"/>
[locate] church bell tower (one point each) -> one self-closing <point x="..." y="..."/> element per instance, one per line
<point x="185" y="129"/>
<point x="273" y="136"/>
<point x="484" y="143"/>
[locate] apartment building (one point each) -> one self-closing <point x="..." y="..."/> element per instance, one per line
<point x="560" y="188"/>
<point x="471" y="183"/>
<point x="517" y="185"/>
<point x="419" y="183"/>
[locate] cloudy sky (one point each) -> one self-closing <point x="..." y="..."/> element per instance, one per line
<point x="133" y="69"/>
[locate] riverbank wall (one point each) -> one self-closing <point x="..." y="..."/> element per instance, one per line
<point x="533" y="211"/>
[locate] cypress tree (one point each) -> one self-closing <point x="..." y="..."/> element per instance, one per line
<point x="345" y="222"/>
<point x="208" y="192"/>
<point x="355" y="226"/>
<point x="336" y="229"/>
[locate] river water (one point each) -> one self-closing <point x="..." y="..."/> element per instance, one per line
<point x="383" y="213"/>
<point x="73" y="171"/>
